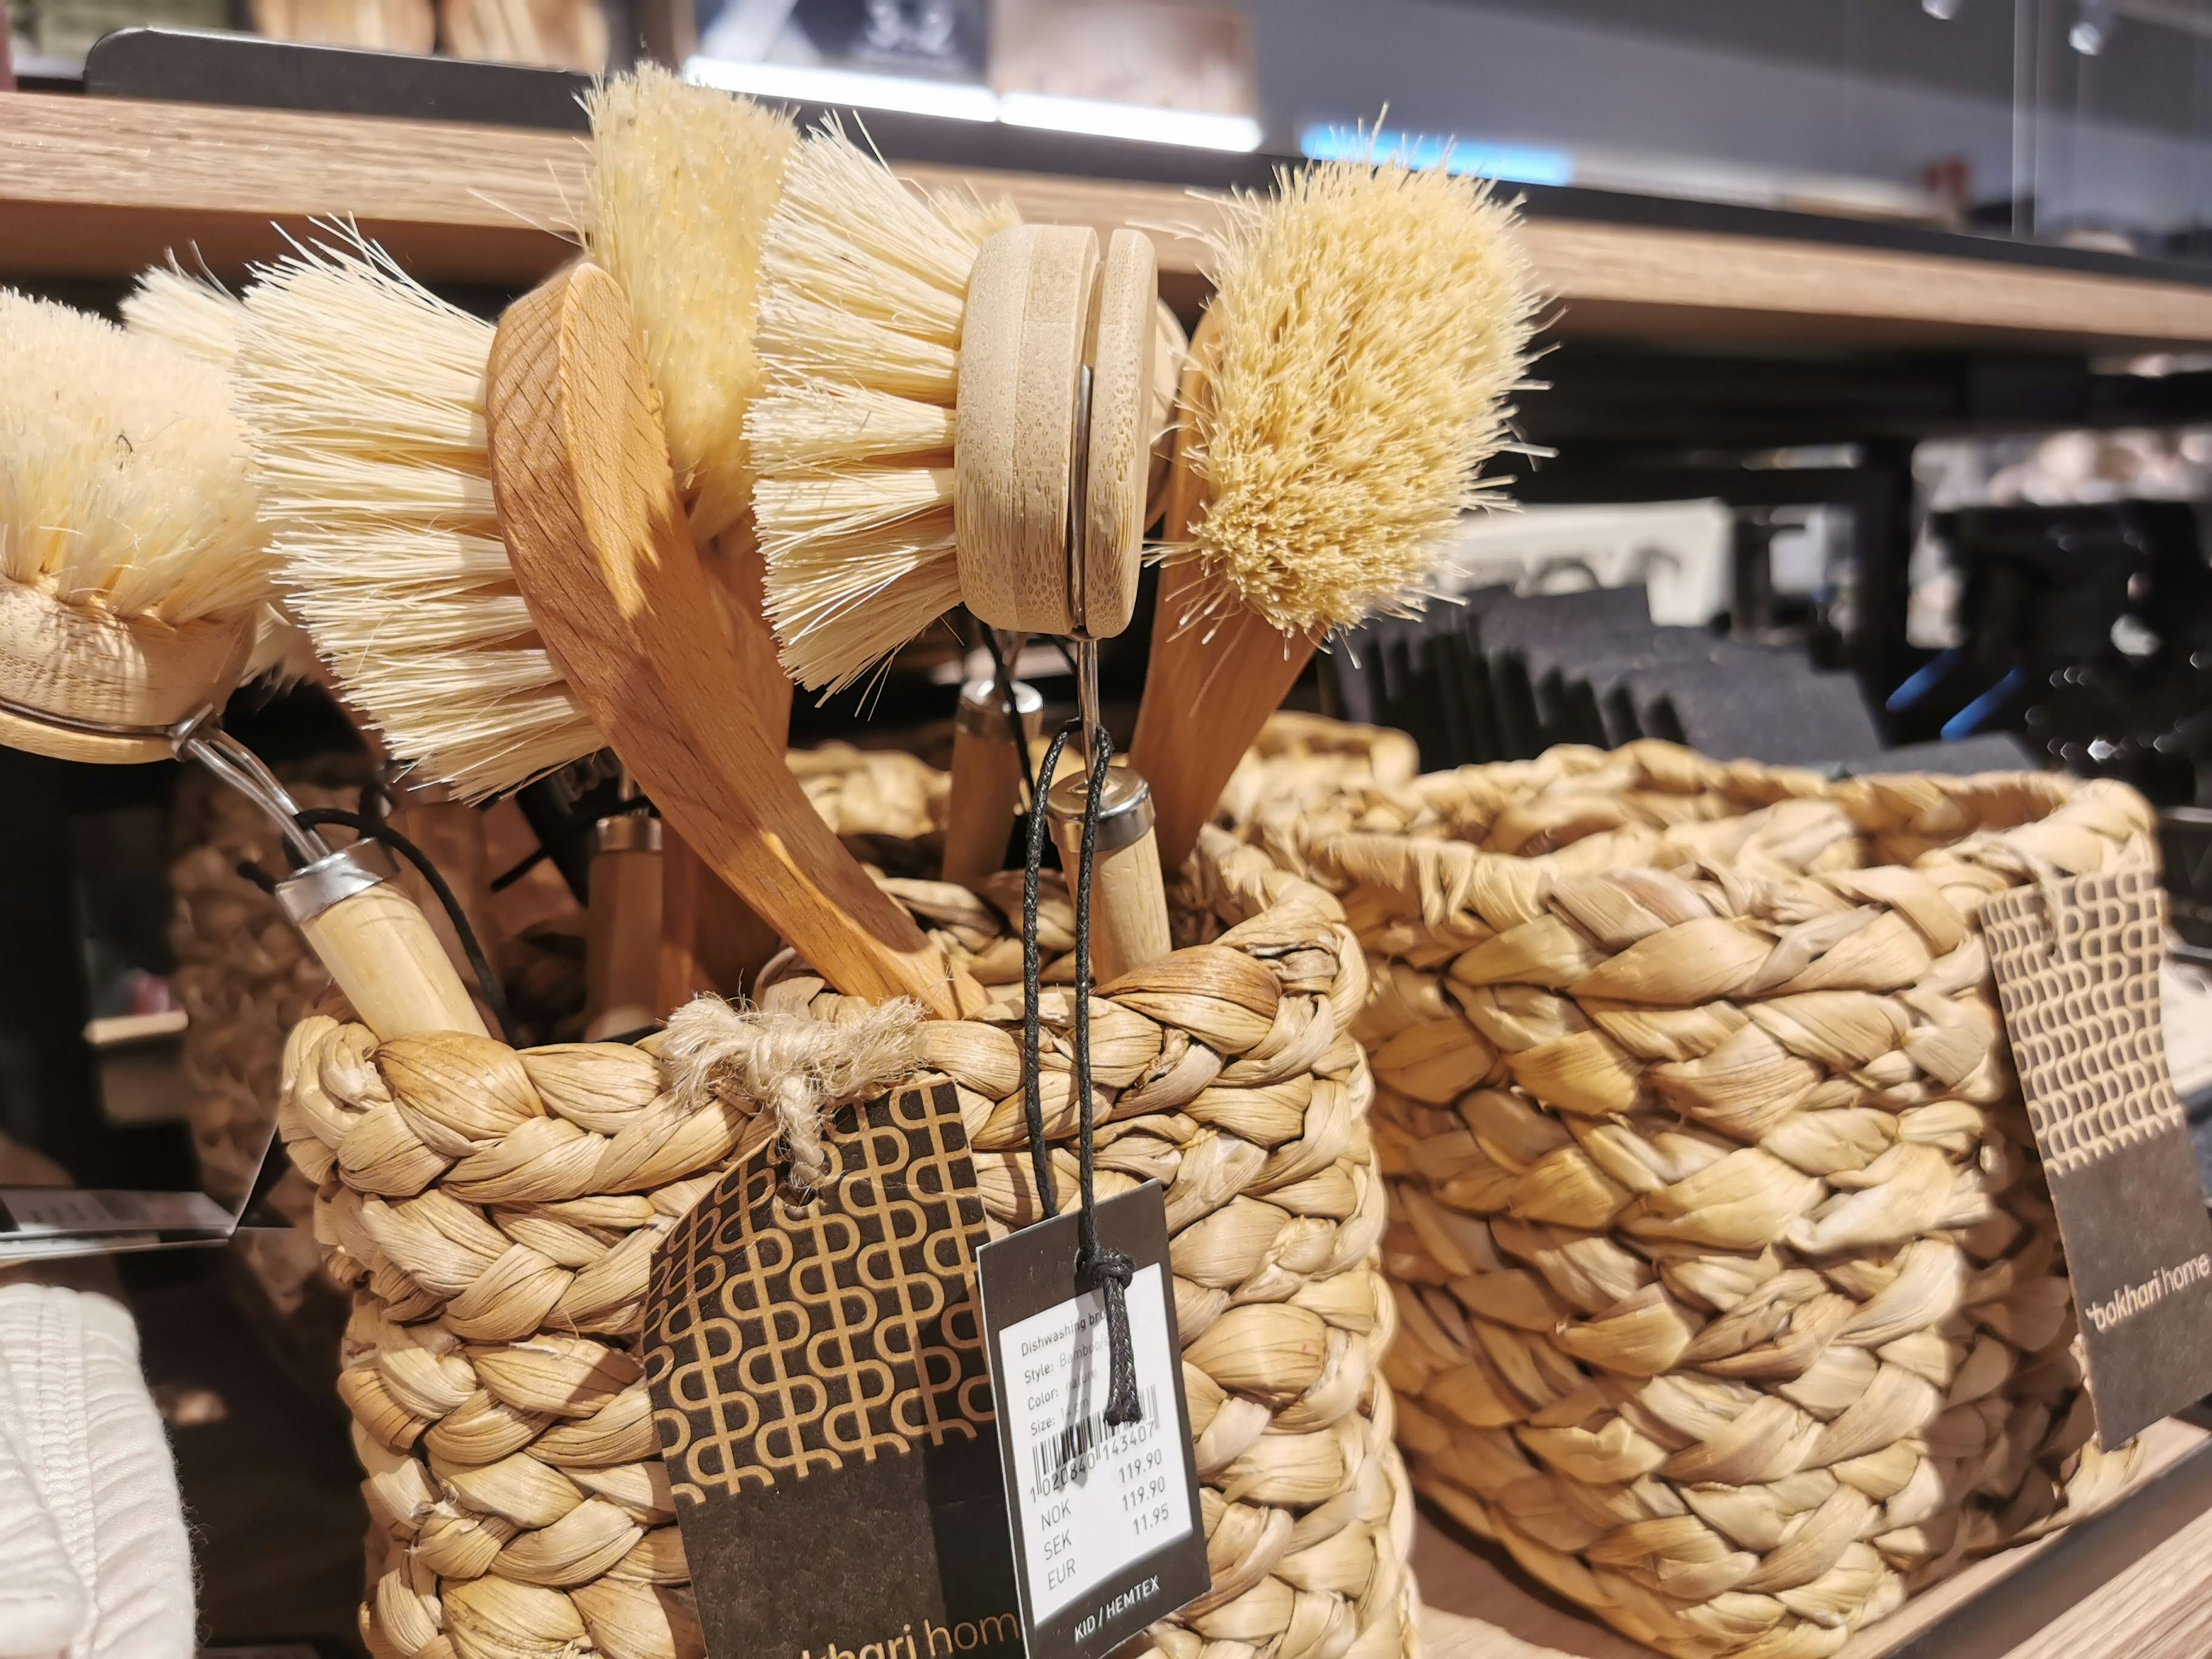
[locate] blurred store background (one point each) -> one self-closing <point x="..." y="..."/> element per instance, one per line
<point x="1792" y="528"/>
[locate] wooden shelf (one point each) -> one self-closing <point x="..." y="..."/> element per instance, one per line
<point x="93" y="187"/>
<point x="2135" y="1582"/>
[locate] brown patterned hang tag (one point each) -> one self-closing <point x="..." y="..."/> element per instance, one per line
<point x="2082" y="1017"/>
<point x="824" y="1402"/>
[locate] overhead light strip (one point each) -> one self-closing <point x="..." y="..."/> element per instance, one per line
<point x="966" y="101"/>
<point x="954" y="100"/>
<point x="1519" y="164"/>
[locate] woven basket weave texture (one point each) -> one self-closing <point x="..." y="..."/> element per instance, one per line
<point x="1731" y="1297"/>
<point x="496" y="1213"/>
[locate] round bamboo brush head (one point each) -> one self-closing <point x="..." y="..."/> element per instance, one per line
<point x="133" y="559"/>
<point x="364" y="394"/>
<point x="683" y="179"/>
<point x="1368" y="324"/>
<point x="865" y="286"/>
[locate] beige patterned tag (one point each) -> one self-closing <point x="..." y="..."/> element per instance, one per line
<point x="823" y="1401"/>
<point x="2081" y="1014"/>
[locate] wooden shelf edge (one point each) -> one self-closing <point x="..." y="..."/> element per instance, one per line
<point x="101" y="187"/>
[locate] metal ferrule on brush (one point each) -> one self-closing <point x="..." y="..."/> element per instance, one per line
<point x="626" y="832"/>
<point x="333" y="878"/>
<point x="1124" y="807"/>
<point x="982" y="710"/>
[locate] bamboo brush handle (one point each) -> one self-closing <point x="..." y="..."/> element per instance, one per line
<point x="596" y="530"/>
<point x="711" y="940"/>
<point x="1170" y="350"/>
<point x="622" y="931"/>
<point x="1129" y="901"/>
<point x="379" y="947"/>
<point x="1216" y="671"/>
<point x="986" y="794"/>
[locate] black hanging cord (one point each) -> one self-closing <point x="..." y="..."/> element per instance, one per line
<point x="1110" y="1271"/>
<point x="1032" y="1102"/>
<point x="1002" y="676"/>
<point x="369" y="828"/>
<point x="521" y="867"/>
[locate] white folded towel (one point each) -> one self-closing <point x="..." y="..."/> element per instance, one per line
<point x="94" y="1562"/>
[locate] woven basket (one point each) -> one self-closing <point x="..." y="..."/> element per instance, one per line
<point x="496" y="1213"/>
<point x="1301" y="762"/>
<point x="1731" y="1297"/>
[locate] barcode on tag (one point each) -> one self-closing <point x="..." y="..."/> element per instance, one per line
<point x="1071" y="1456"/>
<point x="1099" y="1497"/>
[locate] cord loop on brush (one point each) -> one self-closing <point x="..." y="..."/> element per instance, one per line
<point x="1109" y="1271"/>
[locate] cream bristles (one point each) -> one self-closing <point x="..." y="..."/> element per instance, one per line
<point x="364" y="392"/>
<point x="200" y="315"/>
<point x="683" y="179"/>
<point x="1370" y="322"/>
<point x="123" y="472"/>
<point x="864" y="287"/>
<point x="194" y="313"/>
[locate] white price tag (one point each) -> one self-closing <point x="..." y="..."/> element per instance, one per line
<point x="1104" y="1517"/>
<point x="1094" y="1498"/>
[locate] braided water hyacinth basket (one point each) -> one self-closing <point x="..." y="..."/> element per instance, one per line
<point x="496" y="1213"/>
<point x="1732" y="1301"/>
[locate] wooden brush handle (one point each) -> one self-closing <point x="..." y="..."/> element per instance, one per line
<point x="596" y="530"/>
<point x="1129" y="902"/>
<point x="986" y="793"/>
<point x="621" y="934"/>
<point x="1121" y="350"/>
<point x="711" y="940"/>
<point x="1021" y="356"/>
<point x="1217" y="670"/>
<point x="378" y="946"/>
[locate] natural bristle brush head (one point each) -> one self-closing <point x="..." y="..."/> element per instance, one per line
<point x="1368" y="325"/>
<point x="364" y="394"/>
<point x="133" y="558"/>
<point x="683" y="179"/>
<point x="1343" y="390"/>
<point x="198" y="314"/>
<point x="865" y="288"/>
<point x="194" y="313"/>
<point x="137" y="581"/>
